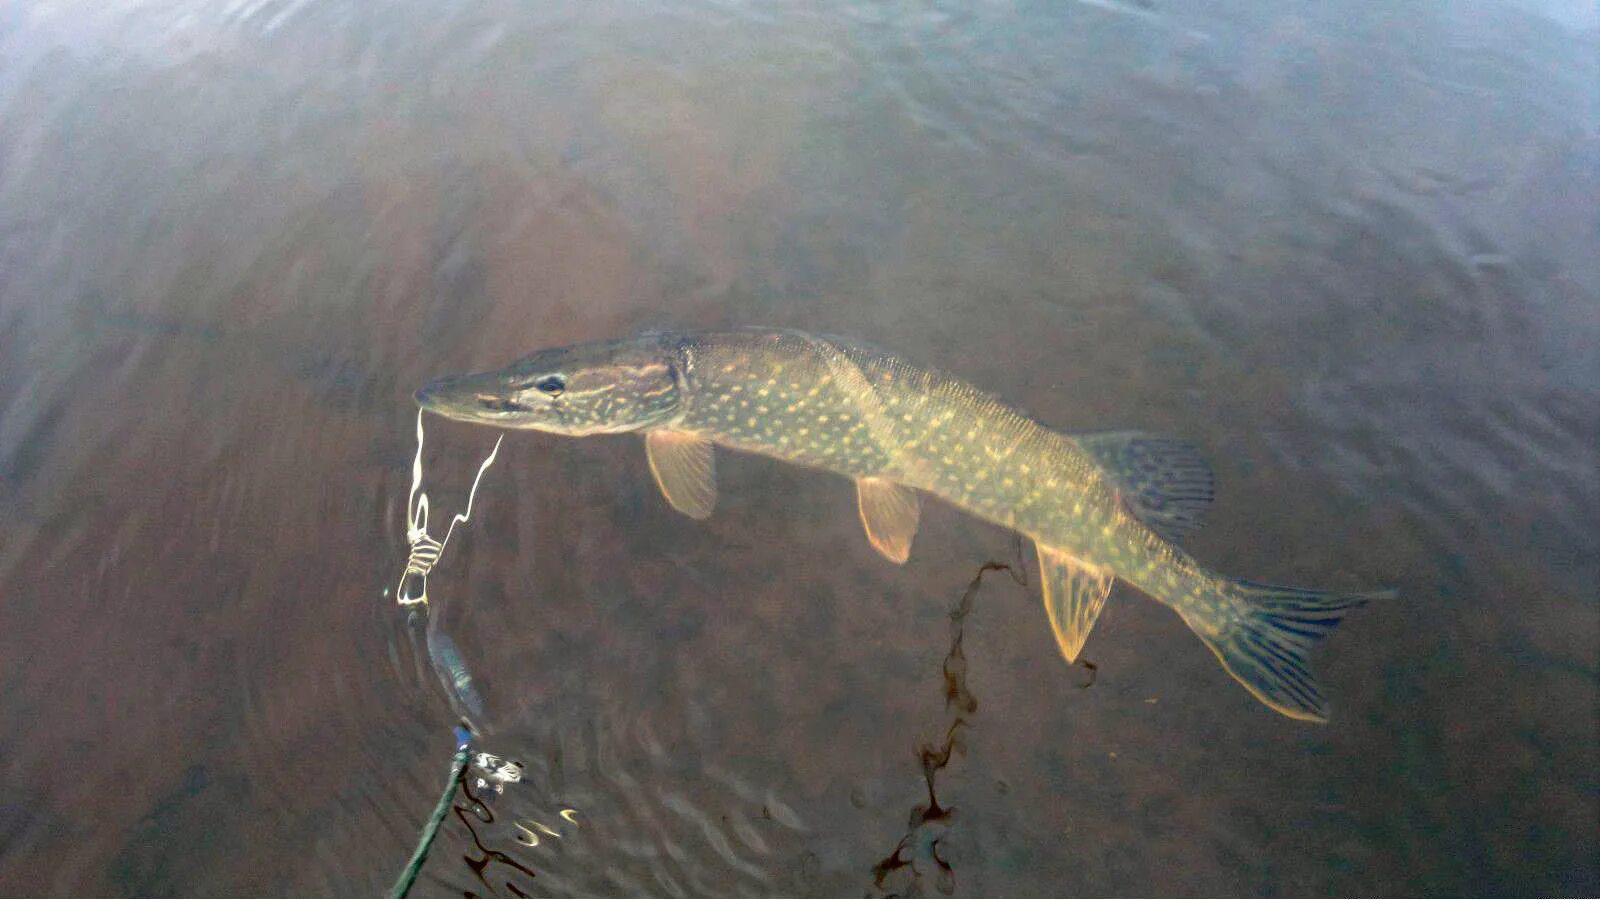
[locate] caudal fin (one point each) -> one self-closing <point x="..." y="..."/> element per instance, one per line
<point x="1266" y="648"/>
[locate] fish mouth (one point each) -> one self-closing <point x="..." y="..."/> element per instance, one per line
<point x="424" y="395"/>
<point x="467" y="398"/>
<point x="436" y="393"/>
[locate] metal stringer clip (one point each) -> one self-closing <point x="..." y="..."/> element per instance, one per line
<point x="425" y="550"/>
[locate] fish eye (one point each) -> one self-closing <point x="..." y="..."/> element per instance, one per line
<point x="552" y="385"/>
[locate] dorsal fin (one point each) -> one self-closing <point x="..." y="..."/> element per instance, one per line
<point x="1074" y="594"/>
<point x="685" y="470"/>
<point x="1165" y="482"/>
<point x="890" y="513"/>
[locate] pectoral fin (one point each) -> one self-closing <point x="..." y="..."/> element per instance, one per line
<point x="890" y="513"/>
<point x="1074" y="594"/>
<point x="685" y="470"/>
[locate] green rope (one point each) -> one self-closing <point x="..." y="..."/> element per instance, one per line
<point x="408" y="876"/>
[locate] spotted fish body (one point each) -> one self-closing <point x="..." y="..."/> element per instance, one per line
<point x="867" y="415"/>
<point x="1097" y="506"/>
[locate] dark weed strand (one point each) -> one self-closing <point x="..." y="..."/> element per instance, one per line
<point x="960" y="702"/>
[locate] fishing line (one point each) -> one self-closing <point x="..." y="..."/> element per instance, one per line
<point x="458" y="767"/>
<point x="412" y="591"/>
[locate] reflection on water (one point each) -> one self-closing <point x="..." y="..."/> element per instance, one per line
<point x="473" y="814"/>
<point x="1346" y="249"/>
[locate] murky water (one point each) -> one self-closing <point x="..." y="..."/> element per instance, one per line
<point x="1348" y="250"/>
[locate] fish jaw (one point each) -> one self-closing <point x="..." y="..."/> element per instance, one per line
<point x="484" y="398"/>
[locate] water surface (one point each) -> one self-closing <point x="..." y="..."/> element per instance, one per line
<point x="1348" y="250"/>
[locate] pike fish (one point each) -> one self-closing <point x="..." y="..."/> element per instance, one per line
<point x="1098" y="506"/>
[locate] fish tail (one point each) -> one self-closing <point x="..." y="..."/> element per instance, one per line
<point x="1266" y="644"/>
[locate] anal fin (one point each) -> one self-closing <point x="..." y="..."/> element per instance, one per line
<point x="685" y="470"/>
<point x="890" y="513"/>
<point x="1074" y="594"/>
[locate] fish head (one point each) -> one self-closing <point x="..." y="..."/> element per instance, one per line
<point x="604" y="387"/>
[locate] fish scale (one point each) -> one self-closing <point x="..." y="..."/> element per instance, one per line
<point x="936" y="434"/>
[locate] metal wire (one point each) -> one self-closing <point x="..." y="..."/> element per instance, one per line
<point x="425" y="549"/>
